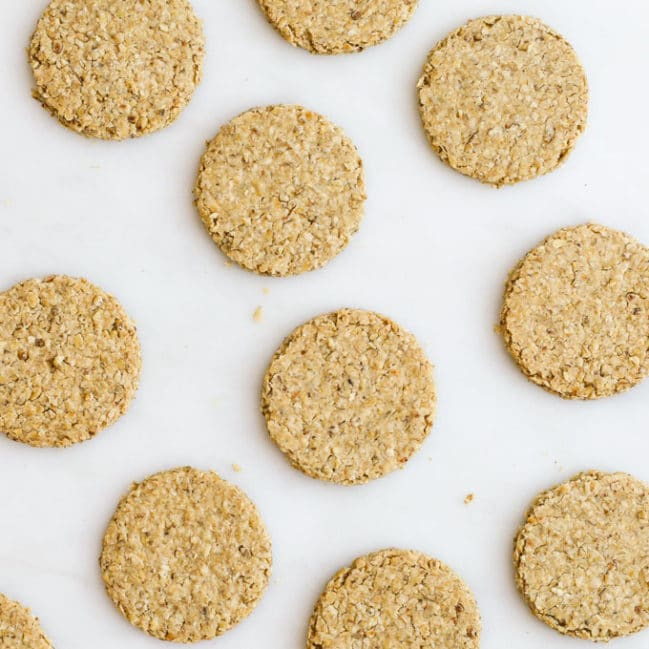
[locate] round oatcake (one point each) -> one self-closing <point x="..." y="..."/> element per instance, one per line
<point x="395" y="598"/>
<point x="69" y="361"/>
<point x="114" y="69"/>
<point x="325" y="27"/>
<point x="18" y="628"/>
<point x="349" y="397"/>
<point x="281" y="190"/>
<point x="503" y="99"/>
<point x="186" y="555"/>
<point x="582" y="556"/>
<point x="575" y="315"/>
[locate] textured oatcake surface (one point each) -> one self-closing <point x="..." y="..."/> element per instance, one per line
<point x="69" y="361"/>
<point x="503" y="99"/>
<point x="582" y="556"/>
<point x="281" y="190"/>
<point x="326" y="27"/>
<point x="575" y="315"/>
<point x="395" y="598"/>
<point x="114" y="69"/>
<point x="349" y="396"/>
<point x="18" y="628"/>
<point x="186" y="555"/>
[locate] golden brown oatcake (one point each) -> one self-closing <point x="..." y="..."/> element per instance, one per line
<point x="114" y="69"/>
<point x="582" y="556"/>
<point x="575" y="315"/>
<point x="395" y="598"/>
<point x="503" y="99"/>
<point x="69" y="361"/>
<point x="18" y="628"/>
<point x="186" y="556"/>
<point x="281" y="190"/>
<point x="349" y="396"/>
<point x="326" y="27"/>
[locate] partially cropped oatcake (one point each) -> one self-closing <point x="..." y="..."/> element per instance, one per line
<point x="186" y="556"/>
<point x="69" y="361"/>
<point x="395" y="598"/>
<point x="582" y="556"/>
<point x="575" y="315"/>
<point x="326" y="27"/>
<point x="281" y="190"/>
<point x="18" y="628"/>
<point x="349" y="397"/>
<point x="114" y="69"/>
<point x="503" y="99"/>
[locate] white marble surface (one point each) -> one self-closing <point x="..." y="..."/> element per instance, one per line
<point x="433" y="252"/>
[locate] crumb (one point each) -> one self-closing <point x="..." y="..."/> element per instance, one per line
<point x="258" y="314"/>
<point x="265" y="290"/>
<point x="228" y="263"/>
<point x="469" y="499"/>
<point x="236" y="468"/>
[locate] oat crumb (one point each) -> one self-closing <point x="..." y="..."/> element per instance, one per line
<point x="236" y="468"/>
<point x="258" y="314"/>
<point x="469" y="499"/>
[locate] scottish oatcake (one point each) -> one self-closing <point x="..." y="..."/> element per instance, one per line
<point x="503" y="99"/>
<point x="395" y="598"/>
<point x="575" y="315"/>
<point x="18" y="628"/>
<point x="325" y="27"/>
<point x="349" y="396"/>
<point x="114" y="69"/>
<point x="582" y="556"/>
<point x="281" y="190"/>
<point x="69" y="361"/>
<point x="186" y="556"/>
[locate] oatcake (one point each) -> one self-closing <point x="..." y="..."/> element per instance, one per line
<point x="114" y="69"/>
<point x="18" y="628"/>
<point x="395" y="598"/>
<point x="186" y="555"/>
<point x="575" y="312"/>
<point x="69" y="361"/>
<point x="503" y="99"/>
<point x="325" y="27"/>
<point x="349" y="396"/>
<point x="281" y="190"/>
<point x="582" y="556"/>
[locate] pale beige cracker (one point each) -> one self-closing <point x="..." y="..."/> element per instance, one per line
<point x="114" y="69"/>
<point x="395" y="598"/>
<point x="19" y="629"/>
<point x="582" y="556"/>
<point x="349" y="396"/>
<point x="575" y="315"/>
<point x="186" y="556"/>
<point x="326" y="27"/>
<point x="503" y="99"/>
<point x="69" y="361"/>
<point x="281" y="190"/>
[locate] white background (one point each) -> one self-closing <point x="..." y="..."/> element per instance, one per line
<point x="433" y="253"/>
